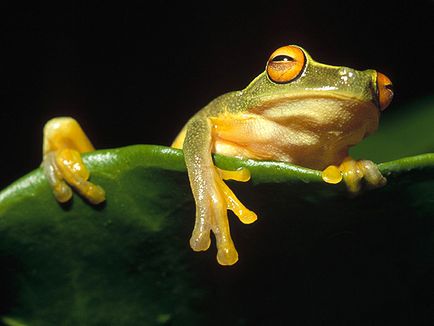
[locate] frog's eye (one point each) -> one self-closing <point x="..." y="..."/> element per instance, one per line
<point x="385" y="90"/>
<point x="285" y="64"/>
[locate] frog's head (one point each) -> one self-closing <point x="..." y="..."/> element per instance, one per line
<point x="294" y="84"/>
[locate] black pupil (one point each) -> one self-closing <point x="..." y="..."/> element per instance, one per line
<point x="282" y="58"/>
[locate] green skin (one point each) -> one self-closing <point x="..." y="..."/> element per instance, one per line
<point x="310" y="121"/>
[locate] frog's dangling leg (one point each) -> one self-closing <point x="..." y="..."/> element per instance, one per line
<point x="212" y="196"/>
<point x="353" y="172"/>
<point x="64" y="140"/>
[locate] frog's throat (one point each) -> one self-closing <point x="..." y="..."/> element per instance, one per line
<point x="335" y="111"/>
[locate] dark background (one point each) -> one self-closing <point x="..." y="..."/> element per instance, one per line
<point x="133" y="72"/>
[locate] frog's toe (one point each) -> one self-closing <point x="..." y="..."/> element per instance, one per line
<point x="61" y="191"/>
<point x="214" y="217"/>
<point x="65" y="168"/>
<point x="200" y="239"/>
<point x="232" y="202"/>
<point x="226" y="252"/>
<point x="332" y="174"/>
<point x="371" y="174"/>
<point x="227" y="255"/>
<point x="353" y="173"/>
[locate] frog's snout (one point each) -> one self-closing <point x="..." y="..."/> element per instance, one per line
<point x="384" y="90"/>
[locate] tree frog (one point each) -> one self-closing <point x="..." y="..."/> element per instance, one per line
<point x="298" y="111"/>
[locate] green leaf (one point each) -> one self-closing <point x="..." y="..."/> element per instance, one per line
<point x="127" y="261"/>
<point x="315" y="255"/>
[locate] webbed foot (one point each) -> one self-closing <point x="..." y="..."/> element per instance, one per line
<point x="353" y="173"/>
<point x="64" y="140"/>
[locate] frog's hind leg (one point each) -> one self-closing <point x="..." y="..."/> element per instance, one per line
<point x="212" y="196"/>
<point x="64" y="140"/>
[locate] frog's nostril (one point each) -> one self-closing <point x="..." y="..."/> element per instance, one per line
<point x="385" y="90"/>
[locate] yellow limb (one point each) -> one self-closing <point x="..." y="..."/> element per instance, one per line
<point x="371" y="173"/>
<point x="232" y="202"/>
<point x="219" y="202"/>
<point x="212" y="197"/>
<point x="64" y="140"/>
<point x="65" y="132"/>
<point x="353" y="172"/>
<point x="62" y="192"/>
<point x="227" y="254"/>
<point x="75" y="173"/>
<point x="214" y="217"/>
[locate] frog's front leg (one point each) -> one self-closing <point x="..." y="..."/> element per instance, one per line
<point x="212" y="196"/>
<point x="353" y="172"/>
<point x="63" y="142"/>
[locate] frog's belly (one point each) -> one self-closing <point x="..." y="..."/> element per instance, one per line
<point x="313" y="146"/>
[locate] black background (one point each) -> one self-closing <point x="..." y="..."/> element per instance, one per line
<point x="133" y="72"/>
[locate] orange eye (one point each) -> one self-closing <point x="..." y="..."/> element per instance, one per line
<point x="285" y="64"/>
<point x="385" y="90"/>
